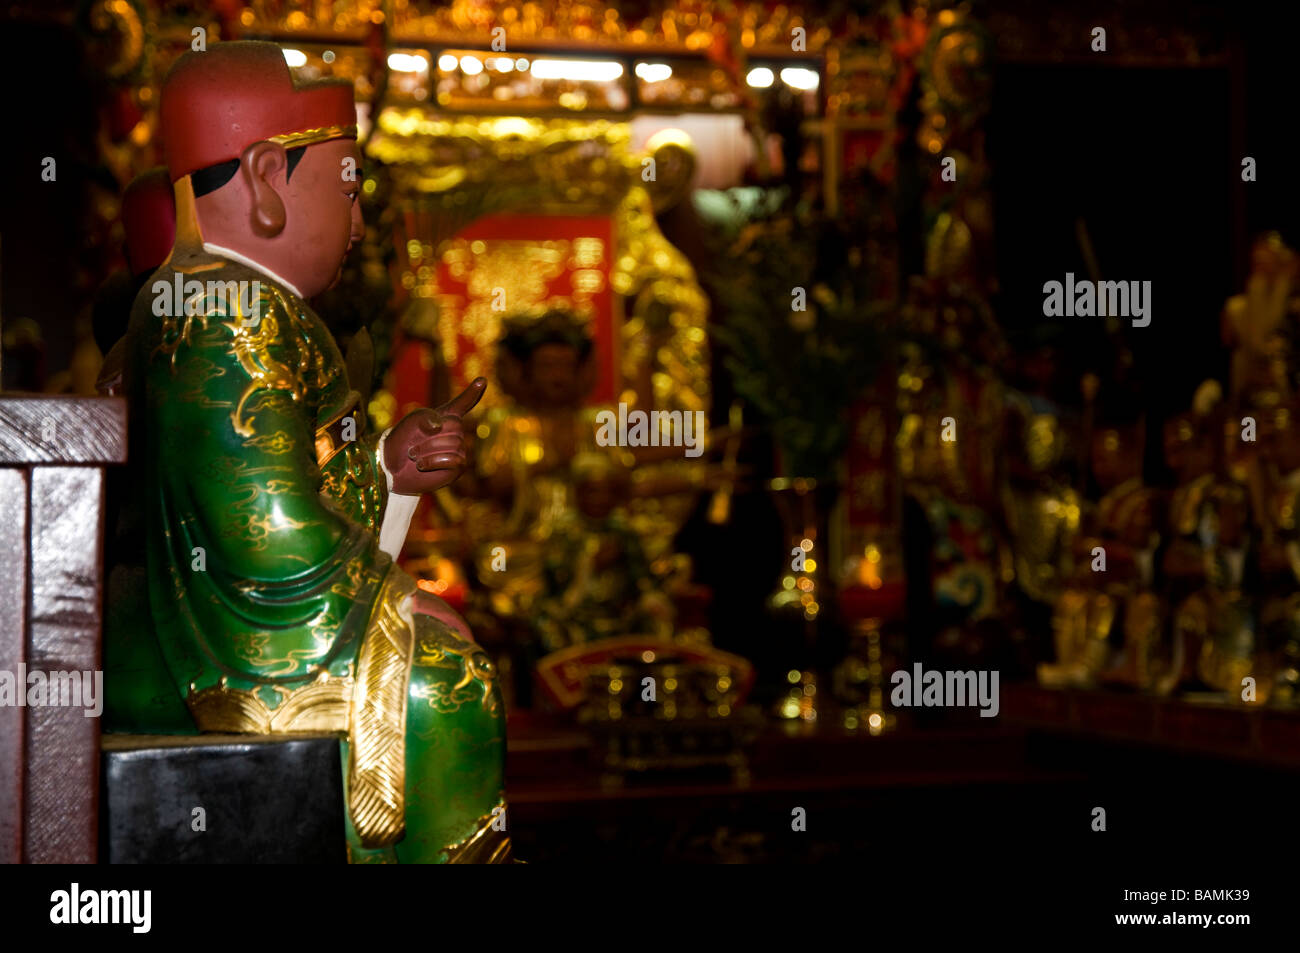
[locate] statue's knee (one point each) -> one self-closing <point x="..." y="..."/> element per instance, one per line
<point x="451" y="673"/>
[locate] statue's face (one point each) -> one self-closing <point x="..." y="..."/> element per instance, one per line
<point x="323" y="215"/>
<point x="553" y="373"/>
<point x="300" y="227"/>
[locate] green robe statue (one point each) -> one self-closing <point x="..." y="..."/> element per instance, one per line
<point x="250" y="593"/>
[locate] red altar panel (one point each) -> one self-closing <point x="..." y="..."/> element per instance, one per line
<point x="507" y="263"/>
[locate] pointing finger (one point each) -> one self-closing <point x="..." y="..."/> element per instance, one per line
<point x="465" y="402"/>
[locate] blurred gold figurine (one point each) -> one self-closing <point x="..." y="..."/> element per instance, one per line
<point x="1112" y="588"/>
<point x="598" y="581"/>
<point x="1256" y="325"/>
<point x="1256" y="635"/>
<point x="562" y="523"/>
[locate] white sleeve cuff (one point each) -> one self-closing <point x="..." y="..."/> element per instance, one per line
<point x="398" y="511"/>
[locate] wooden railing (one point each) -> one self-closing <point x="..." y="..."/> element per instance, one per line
<point x="53" y="451"/>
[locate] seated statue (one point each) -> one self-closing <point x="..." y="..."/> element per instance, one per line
<point x="598" y="582"/>
<point x="547" y="367"/>
<point x="1192" y="450"/>
<point x="1263" y="640"/>
<point x="1110" y="602"/>
<point x="1229" y="518"/>
<point x="262" y="597"/>
<point x="1278" y="555"/>
<point x="1258" y="326"/>
<point x="522" y="482"/>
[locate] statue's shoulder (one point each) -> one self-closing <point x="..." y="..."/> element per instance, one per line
<point x="205" y="299"/>
<point x="204" y="283"/>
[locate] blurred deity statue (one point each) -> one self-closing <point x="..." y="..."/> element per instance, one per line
<point x="1254" y="631"/>
<point x="1223" y="616"/>
<point x="598" y="581"/>
<point x="1260" y="637"/>
<point x="525" y="450"/>
<point x="523" y="475"/>
<point x="1040" y="506"/>
<point x="1279" y="554"/>
<point x="1258" y="326"/>
<point x="950" y="406"/>
<point x="1110" y="602"/>
<point x="1201" y="499"/>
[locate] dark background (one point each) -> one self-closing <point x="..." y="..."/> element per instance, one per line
<point x="1143" y="157"/>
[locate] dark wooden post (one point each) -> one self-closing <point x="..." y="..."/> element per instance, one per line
<point x="53" y="451"/>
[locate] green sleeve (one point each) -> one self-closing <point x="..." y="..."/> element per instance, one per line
<point x="253" y="574"/>
<point x="353" y="479"/>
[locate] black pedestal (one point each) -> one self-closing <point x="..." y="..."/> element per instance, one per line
<point x="222" y="799"/>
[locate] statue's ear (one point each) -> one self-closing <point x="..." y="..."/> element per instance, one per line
<point x="260" y="165"/>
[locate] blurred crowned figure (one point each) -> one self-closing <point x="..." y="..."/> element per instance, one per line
<point x="264" y="598"/>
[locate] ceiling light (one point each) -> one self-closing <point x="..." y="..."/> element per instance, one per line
<point x="593" y="71"/>
<point x="407" y="63"/>
<point x="800" y="78"/>
<point x="654" y="72"/>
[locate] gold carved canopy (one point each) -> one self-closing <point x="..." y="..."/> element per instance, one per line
<point x="452" y="171"/>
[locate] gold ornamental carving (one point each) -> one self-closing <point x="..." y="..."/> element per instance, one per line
<point x="321" y="705"/>
<point x="463" y="169"/>
<point x="377" y="722"/>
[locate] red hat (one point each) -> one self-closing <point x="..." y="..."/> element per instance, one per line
<point x="149" y="217"/>
<point x="217" y="103"/>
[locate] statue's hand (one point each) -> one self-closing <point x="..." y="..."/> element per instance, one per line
<point x="426" y="450"/>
